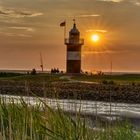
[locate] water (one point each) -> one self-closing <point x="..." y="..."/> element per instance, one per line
<point x="105" y="109"/>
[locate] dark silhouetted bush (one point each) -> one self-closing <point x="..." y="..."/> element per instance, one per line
<point x="33" y="72"/>
<point x="105" y="82"/>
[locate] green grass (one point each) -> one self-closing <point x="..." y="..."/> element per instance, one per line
<point x="121" y="79"/>
<point x="126" y="78"/>
<point x="34" y="78"/>
<point x="25" y="122"/>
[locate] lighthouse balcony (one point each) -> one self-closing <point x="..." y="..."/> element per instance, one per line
<point x="74" y="42"/>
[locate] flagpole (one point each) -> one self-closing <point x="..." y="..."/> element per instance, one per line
<point x="65" y="31"/>
<point x="63" y="24"/>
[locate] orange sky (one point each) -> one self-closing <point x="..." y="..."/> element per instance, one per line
<point x="29" y="27"/>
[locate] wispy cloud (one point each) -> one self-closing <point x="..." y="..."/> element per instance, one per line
<point x="89" y="15"/>
<point x="112" y="0"/>
<point x="18" y="13"/>
<point x="100" y="31"/>
<point x="104" y="52"/>
<point x="135" y="2"/>
<point x="23" y="28"/>
<point x="17" y="35"/>
<point x="98" y="52"/>
<point x="10" y="34"/>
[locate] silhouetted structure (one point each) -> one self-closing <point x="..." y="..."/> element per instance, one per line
<point x="41" y="61"/>
<point x="33" y="72"/>
<point x="74" y="44"/>
<point x="55" y="70"/>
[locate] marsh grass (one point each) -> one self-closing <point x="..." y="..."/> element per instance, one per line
<point x="22" y="121"/>
<point x="39" y="77"/>
<point x="111" y="79"/>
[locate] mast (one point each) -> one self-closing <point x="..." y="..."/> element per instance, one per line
<point x="111" y="67"/>
<point x="41" y="62"/>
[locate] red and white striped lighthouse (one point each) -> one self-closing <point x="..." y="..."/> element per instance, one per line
<point x="74" y="44"/>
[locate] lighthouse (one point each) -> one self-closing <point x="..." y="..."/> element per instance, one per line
<point x="74" y="45"/>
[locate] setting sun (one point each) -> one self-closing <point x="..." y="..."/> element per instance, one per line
<point x="95" y="38"/>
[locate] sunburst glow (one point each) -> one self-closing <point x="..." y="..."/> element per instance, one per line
<point x="95" y="37"/>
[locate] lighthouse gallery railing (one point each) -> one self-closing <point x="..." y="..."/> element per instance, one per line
<point x="73" y="41"/>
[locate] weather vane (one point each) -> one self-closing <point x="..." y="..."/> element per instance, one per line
<point x="74" y="20"/>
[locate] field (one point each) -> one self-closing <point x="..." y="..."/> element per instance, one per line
<point x="119" y="79"/>
<point x="118" y="88"/>
<point x="46" y="77"/>
<point x="40" y="77"/>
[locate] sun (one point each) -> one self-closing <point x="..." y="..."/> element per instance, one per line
<point x="95" y="37"/>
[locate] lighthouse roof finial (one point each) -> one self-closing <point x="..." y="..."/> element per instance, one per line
<point x="74" y="21"/>
<point x="74" y="30"/>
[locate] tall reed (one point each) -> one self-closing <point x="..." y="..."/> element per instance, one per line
<point x="22" y="121"/>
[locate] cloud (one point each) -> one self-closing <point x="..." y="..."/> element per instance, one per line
<point x="10" y="34"/>
<point x="18" y="13"/>
<point x="97" y="52"/>
<point x="23" y="28"/>
<point x="17" y="35"/>
<point x="89" y="15"/>
<point x="112" y="0"/>
<point x="100" y="31"/>
<point x="135" y="2"/>
<point x="105" y="52"/>
<point x="2" y="12"/>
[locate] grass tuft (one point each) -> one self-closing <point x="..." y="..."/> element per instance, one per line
<point x="21" y="121"/>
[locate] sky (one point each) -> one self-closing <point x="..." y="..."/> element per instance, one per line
<point x="28" y="27"/>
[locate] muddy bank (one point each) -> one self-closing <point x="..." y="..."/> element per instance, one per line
<point x="84" y="91"/>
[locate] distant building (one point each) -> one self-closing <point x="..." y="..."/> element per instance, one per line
<point x="74" y="44"/>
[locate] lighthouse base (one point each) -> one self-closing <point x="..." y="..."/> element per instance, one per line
<point x="74" y="66"/>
